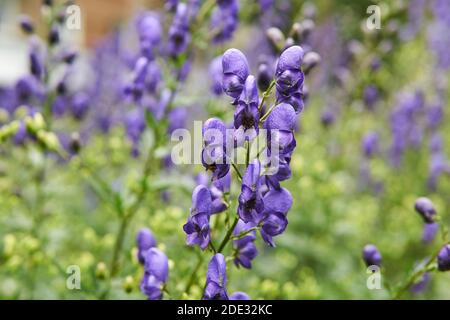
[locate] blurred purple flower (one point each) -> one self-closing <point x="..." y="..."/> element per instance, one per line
<point x="216" y="279"/>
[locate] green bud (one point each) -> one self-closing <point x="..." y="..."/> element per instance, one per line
<point x="276" y="37"/>
<point x="101" y="271"/>
<point x="128" y="284"/>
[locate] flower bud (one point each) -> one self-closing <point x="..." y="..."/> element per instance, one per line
<point x="128" y="284"/>
<point x="371" y="255"/>
<point x="101" y="271"/>
<point x="425" y="208"/>
<point x="276" y="37"/>
<point x="26" y="24"/>
<point x="444" y="258"/>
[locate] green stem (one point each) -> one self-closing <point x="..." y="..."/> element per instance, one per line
<point x="236" y="169"/>
<point x="228" y="235"/>
<point x="266" y="94"/>
<point x="264" y="117"/>
<point x="193" y="274"/>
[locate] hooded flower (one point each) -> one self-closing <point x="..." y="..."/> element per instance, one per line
<point x="214" y="157"/>
<point x="290" y="77"/>
<point x="246" y="114"/>
<point x="219" y="189"/>
<point x="149" y="31"/>
<point x="251" y="204"/>
<point x="425" y="208"/>
<point x="235" y="71"/>
<point x="144" y="241"/>
<point x="197" y="227"/>
<point x="277" y="203"/>
<point x="216" y="279"/>
<point x="444" y="258"/>
<point x="371" y="255"/>
<point x="156" y="272"/>
<point x="281" y="124"/>
<point x="244" y="247"/>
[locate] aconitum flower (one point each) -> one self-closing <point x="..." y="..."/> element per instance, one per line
<point x="214" y="156"/>
<point x="149" y="31"/>
<point x="422" y="284"/>
<point x="444" y="258"/>
<point x="246" y="115"/>
<point x="235" y="71"/>
<point x="251" y="204"/>
<point x="216" y="279"/>
<point x="135" y="89"/>
<point x="290" y="77"/>
<point x="156" y="273"/>
<point x="426" y="209"/>
<point x="245" y="247"/>
<point x="281" y="123"/>
<point x="144" y="241"/>
<point x="277" y="203"/>
<point x="179" y="36"/>
<point x="177" y="119"/>
<point x="197" y="227"/>
<point x="36" y="61"/>
<point x="327" y="118"/>
<point x="239" y="296"/>
<point x="224" y="20"/>
<point x="215" y="74"/>
<point x="370" y="144"/>
<point x="371" y="255"/>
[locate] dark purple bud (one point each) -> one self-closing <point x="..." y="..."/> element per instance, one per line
<point x="370" y="96"/>
<point x="425" y="208"/>
<point x="371" y="255"/>
<point x="327" y="118"/>
<point x="444" y="258"/>
<point x="26" y="24"/>
<point x="310" y="61"/>
<point x="265" y="76"/>
<point x="53" y="35"/>
<point x="80" y="105"/>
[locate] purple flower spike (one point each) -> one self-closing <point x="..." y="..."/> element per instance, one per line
<point x="235" y="72"/>
<point x="371" y="255"/>
<point x="216" y="279"/>
<point x="425" y="208"/>
<point x="179" y="36"/>
<point x="251" y="204"/>
<point x="245" y="248"/>
<point x="197" y="227"/>
<point x="156" y="273"/>
<point x="239" y="296"/>
<point x="224" y="20"/>
<point x="444" y="258"/>
<point x="145" y="241"/>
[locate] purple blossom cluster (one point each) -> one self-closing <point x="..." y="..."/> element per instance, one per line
<point x="262" y="203"/>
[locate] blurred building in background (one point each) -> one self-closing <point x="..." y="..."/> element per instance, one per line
<point x="98" y="18"/>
